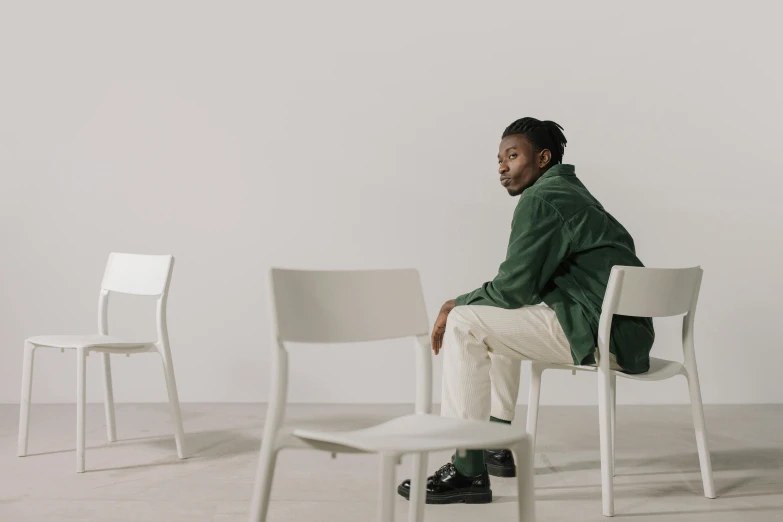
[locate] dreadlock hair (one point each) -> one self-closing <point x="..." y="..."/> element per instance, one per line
<point x="542" y="135"/>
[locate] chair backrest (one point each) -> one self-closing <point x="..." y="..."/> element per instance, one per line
<point x="652" y="292"/>
<point x="138" y="274"/>
<point x="347" y="306"/>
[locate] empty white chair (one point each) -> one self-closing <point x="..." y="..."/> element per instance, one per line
<point x="128" y="274"/>
<point x="638" y="292"/>
<point x="364" y="306"/>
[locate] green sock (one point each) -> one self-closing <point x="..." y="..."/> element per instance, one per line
<point x="472" y="464"/>
<point x="495" y="419"/>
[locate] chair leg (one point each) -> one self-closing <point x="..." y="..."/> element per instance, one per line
<point x="263" y="484"/>
<point x="418" y="488"/>
<point x="108" y="392"/>
<point x="604" y="424"/>
<point x="613" y="414"/>
<point x="526" y="497"/>
<point x="534" y="397"/>
<point x="81" y="400"/>
<point x="24" y="406"/>
<point x="386" y="489"/>
<point x="701" y="430"/>
<point x="176" y="413"/>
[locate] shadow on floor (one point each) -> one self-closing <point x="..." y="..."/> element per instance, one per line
<point x="722" y="460"/>
<point x="200" y="446"/>
<point x="772" y="509"/>
<point x="216" y="444"/>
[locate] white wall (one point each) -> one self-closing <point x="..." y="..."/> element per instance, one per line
<point x="241" y="135"/>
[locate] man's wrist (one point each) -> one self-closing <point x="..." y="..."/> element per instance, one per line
<point x="448" y="306"/>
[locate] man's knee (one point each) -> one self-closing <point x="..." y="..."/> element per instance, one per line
<point x="461" y="318"/>
<point x="456" y="315"/>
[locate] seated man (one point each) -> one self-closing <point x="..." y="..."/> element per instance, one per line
<point x="543" y="305"/>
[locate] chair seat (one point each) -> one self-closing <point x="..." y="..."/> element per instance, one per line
<point x="660" y="369"/>
<point x="94" y="342"/>
<point x="420" y="432"/>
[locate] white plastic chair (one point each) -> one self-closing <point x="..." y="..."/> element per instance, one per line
<point x="638" y="292"/>
<point x="364" y="306"/>
<point x="128" y="274"/>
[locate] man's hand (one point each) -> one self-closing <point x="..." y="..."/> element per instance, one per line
<point x="440" y="325"/>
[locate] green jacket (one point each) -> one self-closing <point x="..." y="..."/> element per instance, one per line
<point x="562" y="248"/>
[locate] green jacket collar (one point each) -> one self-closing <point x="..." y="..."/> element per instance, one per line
<point x="561" y="169"/>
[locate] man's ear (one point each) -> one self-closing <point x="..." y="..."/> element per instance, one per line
<point x="544" y="158"/>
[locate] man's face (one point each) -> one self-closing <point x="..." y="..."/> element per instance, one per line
<point x="519" y="167"/>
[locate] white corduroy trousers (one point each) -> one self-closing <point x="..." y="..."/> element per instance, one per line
<point x="482" y="352"/>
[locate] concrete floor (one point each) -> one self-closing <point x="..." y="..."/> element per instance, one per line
<point x="140" y="478"/>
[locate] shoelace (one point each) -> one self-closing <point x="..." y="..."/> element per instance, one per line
<point x="444" y="471"/>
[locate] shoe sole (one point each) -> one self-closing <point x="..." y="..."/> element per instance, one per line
<point x="501" y="471"/>
<point x="453" y="498"/>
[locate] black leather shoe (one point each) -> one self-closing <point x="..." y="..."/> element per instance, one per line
<point x="449" y="486"/>
<point x="500" y="463"/>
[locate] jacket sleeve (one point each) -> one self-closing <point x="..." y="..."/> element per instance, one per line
<point x="539" y="243"/>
